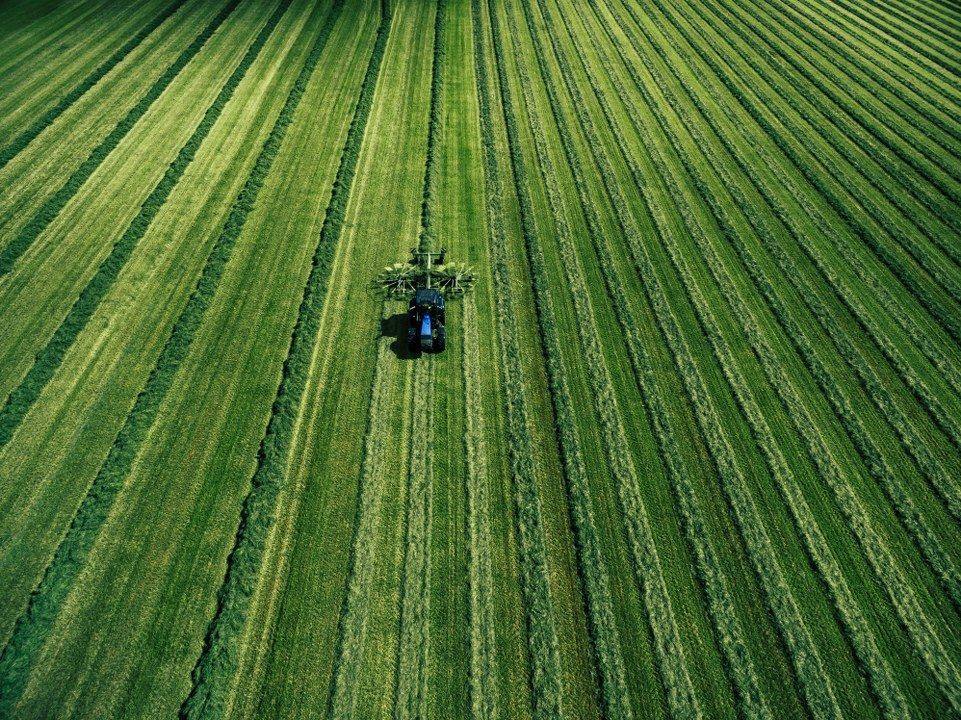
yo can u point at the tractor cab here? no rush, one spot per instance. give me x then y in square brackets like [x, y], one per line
[425, 317]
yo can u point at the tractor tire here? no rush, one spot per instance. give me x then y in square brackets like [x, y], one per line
[440, 342]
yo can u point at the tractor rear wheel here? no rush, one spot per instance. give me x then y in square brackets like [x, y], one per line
[440, 342]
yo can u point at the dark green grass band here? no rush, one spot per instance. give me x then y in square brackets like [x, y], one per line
[52, 207]
[43, 122]
[47, 599]
[50, 357]
[219, 660]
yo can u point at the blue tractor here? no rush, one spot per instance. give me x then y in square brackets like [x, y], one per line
[427, 279]
[425, 321]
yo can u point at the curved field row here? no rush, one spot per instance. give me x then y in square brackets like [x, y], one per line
[844, 269]
[646, 272]
[47, 75]
[64, 406]
[592, 564]
[815, 297]
[26, 136]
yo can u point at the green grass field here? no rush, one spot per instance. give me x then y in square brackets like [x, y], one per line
[693, 449]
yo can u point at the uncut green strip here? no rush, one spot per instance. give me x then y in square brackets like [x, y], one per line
[47, 361]
[29, 233]
[542, 635]
[216, 665]
[47, 600]
[27, 136]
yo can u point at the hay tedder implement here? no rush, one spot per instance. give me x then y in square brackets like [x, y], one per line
[427, 279]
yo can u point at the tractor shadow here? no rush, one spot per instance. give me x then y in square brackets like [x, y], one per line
[395, 327]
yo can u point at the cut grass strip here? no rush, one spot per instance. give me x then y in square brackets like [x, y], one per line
[29, 134]
[853, 331]
[709, 569]
[52, 207]
[869, 298]
[590, 556]
[542, 634]
[413, 651]
[46, 601]
[353, 620]
[483, 645]
[410, 699]
[826, 454]
[218, 661]
[676, 678]
[46, 362]
[877, 214]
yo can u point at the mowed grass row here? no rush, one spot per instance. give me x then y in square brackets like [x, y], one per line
[844, 269]
[28, 234]
[447, 630]
[23, 21]
[861, 429]
[499, 677]
[551, 487]
[860, 637]
[844, 330]
[63, 411]
[47, 74]
[662, 169]
[223, 434]
[333, 650]
[730, 631]
[873, 451]
[899, 233]
[76, 242]
[25, 136]
[53, 24]
[37, 171]
[353, 40]
[819, 692]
